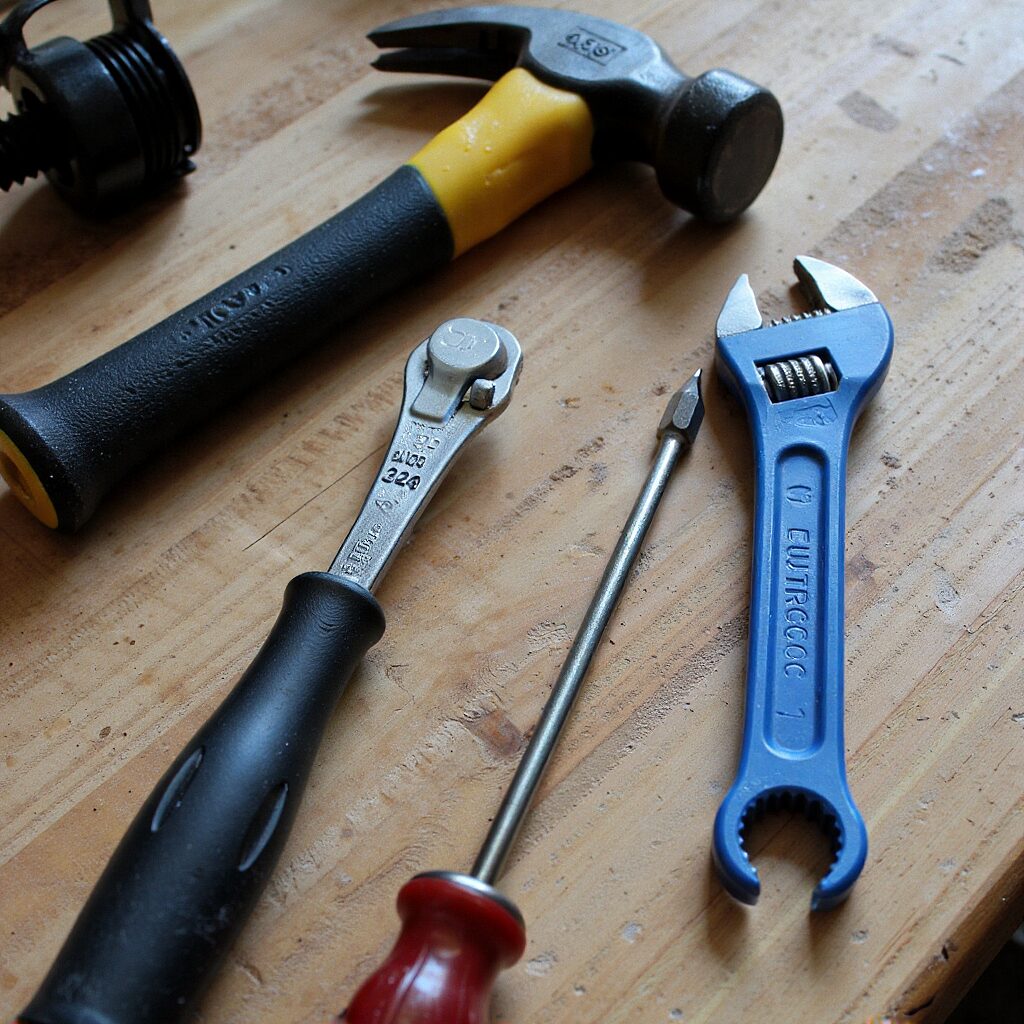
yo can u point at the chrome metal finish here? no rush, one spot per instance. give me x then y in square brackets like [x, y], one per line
[830, 287]
[458, 352]
[435, 422]
[685, 411]
[798, 378]
[676, 438]
[740, 312]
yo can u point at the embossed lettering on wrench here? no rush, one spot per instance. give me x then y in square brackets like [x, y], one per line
[803, 381]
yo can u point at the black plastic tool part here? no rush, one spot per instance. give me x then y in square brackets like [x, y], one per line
[85, 431]
[108, 120]
[184, 878]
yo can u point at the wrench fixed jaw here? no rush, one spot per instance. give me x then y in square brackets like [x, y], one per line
[836, 815]
[829, 287]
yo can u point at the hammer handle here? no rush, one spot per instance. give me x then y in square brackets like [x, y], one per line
[64, 444]
[83, 432]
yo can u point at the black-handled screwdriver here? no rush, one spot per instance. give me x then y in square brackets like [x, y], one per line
[458, 930]
[189, 870]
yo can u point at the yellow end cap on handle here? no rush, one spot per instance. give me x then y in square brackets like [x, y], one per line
[522, 142]
[24, 482]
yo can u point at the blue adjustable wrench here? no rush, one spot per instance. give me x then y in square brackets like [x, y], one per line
[803, 381]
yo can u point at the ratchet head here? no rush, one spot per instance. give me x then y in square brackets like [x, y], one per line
[713, 140]
[456, 381]
[465, 360]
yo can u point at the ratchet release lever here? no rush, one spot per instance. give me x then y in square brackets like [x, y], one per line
[189, 870]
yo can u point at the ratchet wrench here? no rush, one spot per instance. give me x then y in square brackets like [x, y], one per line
[803, 381]
[180, 885]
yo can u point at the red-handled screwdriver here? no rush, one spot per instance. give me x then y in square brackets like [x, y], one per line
[458, 931]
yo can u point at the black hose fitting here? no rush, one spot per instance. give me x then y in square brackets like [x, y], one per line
[108, 120]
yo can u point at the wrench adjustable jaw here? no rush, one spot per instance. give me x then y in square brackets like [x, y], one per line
[803, 381]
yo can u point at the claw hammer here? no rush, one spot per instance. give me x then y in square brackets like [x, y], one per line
[570, 89]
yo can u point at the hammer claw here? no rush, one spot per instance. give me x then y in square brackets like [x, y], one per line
[448, 60]
[476, 29]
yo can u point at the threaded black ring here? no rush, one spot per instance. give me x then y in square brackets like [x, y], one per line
[30, 143]
[149, 98]
[20, 155]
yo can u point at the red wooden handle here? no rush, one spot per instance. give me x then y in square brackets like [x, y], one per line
[454, 940]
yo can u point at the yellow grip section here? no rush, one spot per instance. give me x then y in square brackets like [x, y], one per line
[523, 141]
[25, 483]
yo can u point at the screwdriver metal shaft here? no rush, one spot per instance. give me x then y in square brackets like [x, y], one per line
[458, 931]
[509, 819]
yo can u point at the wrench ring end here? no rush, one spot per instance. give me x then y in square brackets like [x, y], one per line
[839, 819]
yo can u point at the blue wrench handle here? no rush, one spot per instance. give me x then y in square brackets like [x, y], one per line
[793, 747]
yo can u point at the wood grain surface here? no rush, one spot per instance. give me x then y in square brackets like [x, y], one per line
[902, 162]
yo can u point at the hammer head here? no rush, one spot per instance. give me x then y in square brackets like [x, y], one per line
[713, 140]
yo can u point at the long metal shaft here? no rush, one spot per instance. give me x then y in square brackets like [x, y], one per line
[503, 831]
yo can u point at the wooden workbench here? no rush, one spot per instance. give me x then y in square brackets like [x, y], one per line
[902, 161]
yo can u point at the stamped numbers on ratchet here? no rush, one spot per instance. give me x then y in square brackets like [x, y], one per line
[403, 463]
[401, 478]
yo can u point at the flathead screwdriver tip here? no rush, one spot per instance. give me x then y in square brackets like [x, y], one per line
[684, 412]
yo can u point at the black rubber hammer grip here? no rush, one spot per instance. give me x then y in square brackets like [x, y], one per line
[183, 880]
[64, 444]
[568, 89]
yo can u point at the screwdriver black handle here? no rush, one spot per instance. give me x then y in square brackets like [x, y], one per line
[68, 441]
[187, 873]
